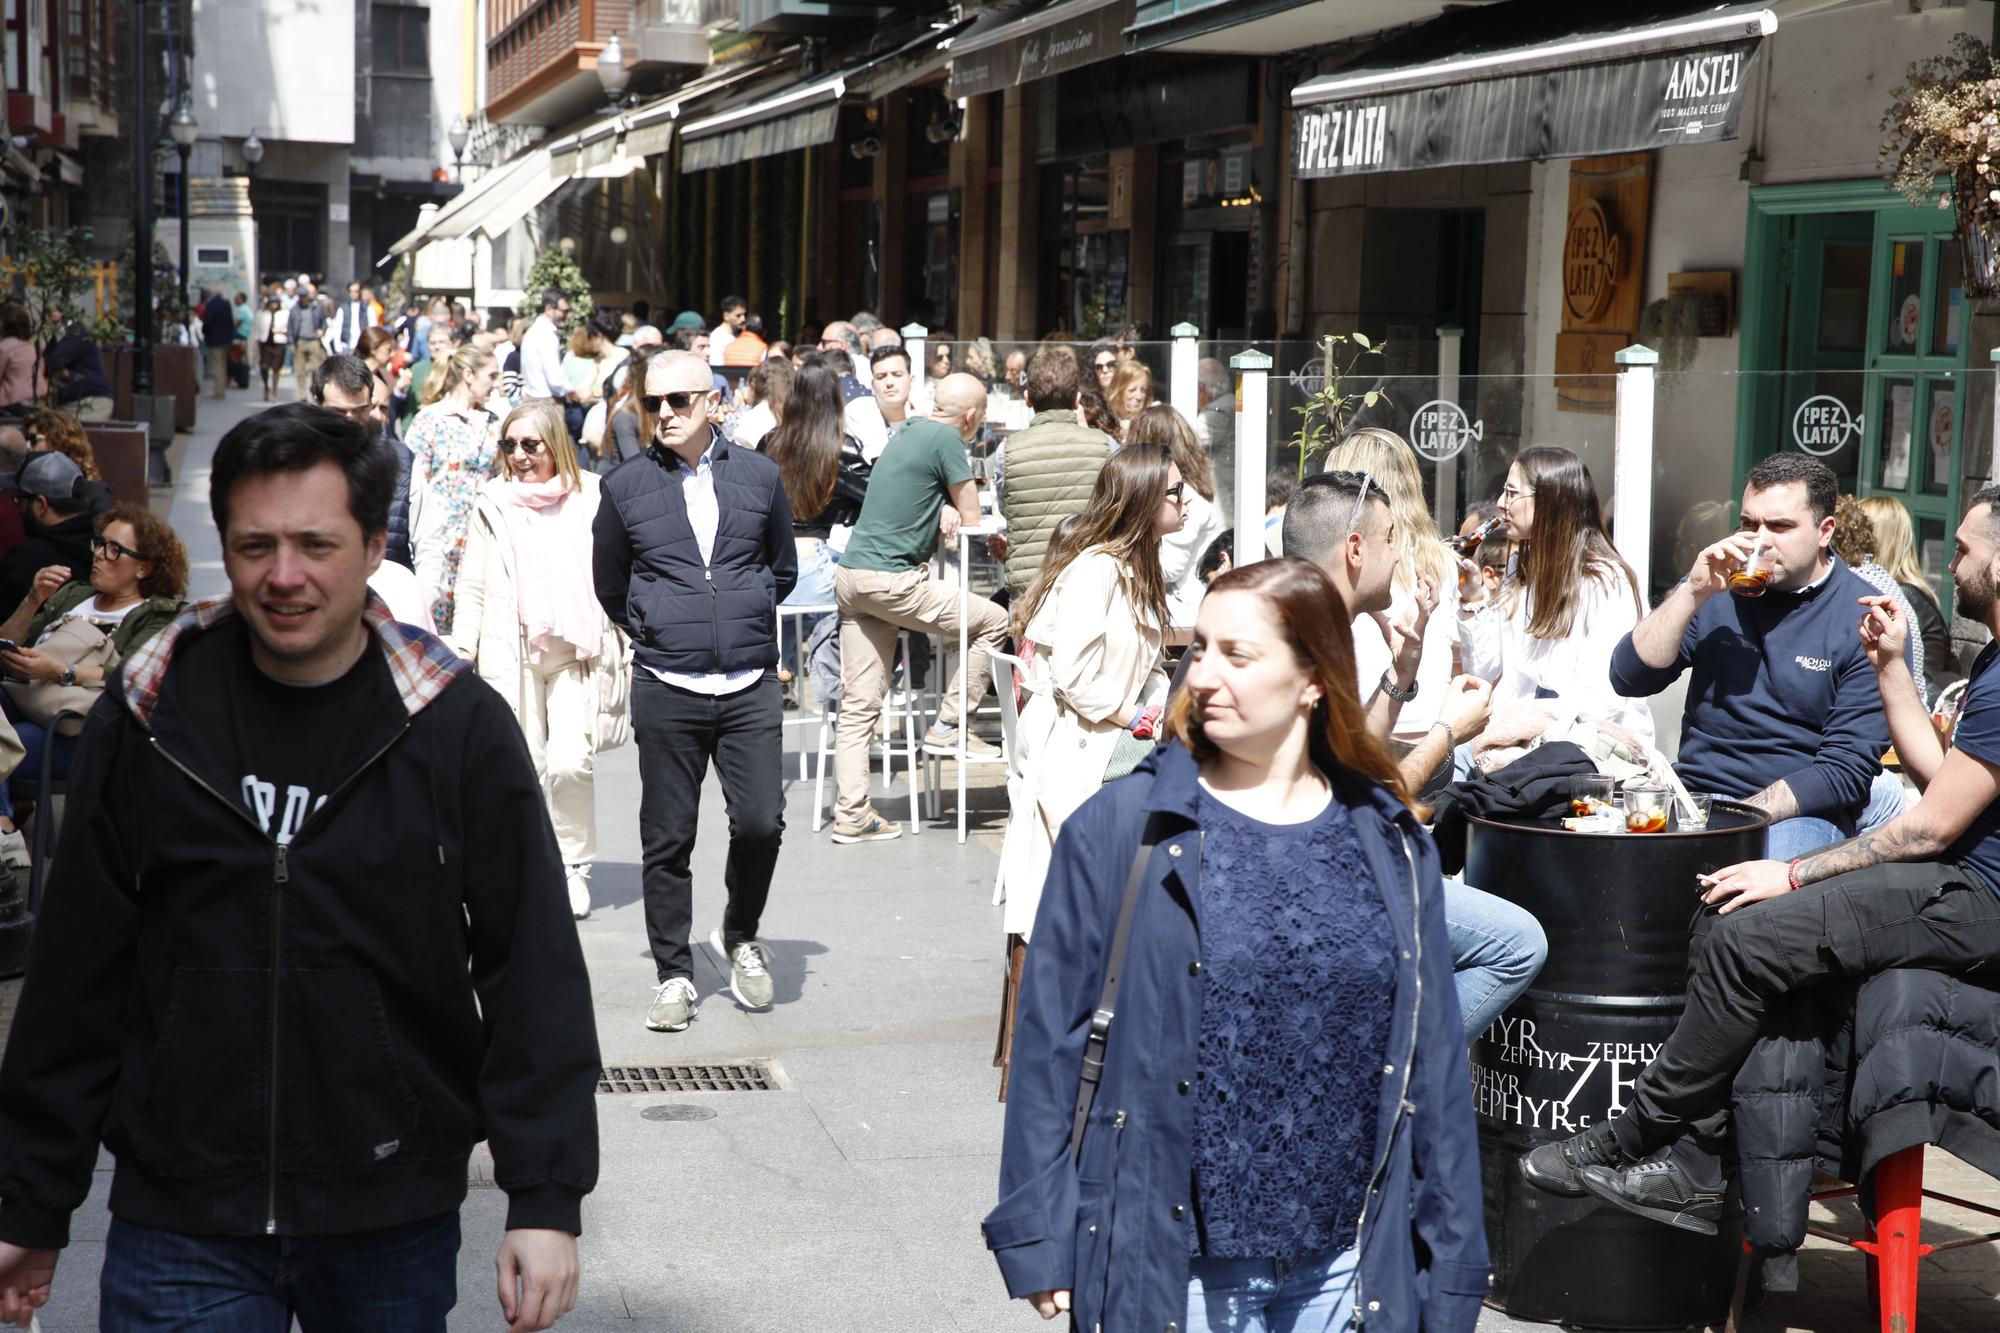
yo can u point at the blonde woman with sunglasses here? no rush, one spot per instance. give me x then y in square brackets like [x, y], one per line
[528, 618]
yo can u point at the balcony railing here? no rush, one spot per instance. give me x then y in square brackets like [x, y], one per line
[531, 38]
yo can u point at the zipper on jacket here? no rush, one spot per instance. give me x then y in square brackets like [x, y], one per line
[1403, 1093]
[281, 875]
[714, 625]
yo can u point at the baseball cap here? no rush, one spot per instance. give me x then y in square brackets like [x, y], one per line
[687, 319]
[50, 475]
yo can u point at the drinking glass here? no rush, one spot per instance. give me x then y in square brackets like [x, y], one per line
[1703, 802]
[1750, 580]
[1645, 808]
[1589, 794]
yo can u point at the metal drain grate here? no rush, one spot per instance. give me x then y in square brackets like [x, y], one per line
[748, 1076]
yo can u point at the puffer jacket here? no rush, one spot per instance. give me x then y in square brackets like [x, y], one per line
[1108, 1225]
[681, 613]
[1850, 1072]
[399, 549]
[1051, 467]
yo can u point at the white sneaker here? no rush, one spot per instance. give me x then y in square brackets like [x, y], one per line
[579, 890]
[14, 850]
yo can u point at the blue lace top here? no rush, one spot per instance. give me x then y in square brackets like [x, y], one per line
[1298, 955]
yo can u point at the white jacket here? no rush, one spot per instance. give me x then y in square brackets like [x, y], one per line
[1568, 675]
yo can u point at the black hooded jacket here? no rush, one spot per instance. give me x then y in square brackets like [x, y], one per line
[304, 1039]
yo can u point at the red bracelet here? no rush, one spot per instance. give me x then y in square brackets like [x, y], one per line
[1792, 875]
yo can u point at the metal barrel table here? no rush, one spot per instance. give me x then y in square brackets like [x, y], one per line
[1617, 908]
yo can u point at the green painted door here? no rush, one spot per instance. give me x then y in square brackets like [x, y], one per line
[1854, 347]
[1915, 404]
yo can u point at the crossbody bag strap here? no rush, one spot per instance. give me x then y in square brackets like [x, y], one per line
[1107, 1002]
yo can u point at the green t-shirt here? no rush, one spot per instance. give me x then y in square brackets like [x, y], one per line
[912, 479]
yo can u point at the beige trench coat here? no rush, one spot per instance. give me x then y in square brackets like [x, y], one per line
[487, 627]
[1095, 656]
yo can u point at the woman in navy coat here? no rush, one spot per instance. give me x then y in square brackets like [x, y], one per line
[1283, 1135]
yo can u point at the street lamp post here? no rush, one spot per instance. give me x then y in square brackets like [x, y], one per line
[612, 72]
[253, 152]
[457, 136]
[185, 129]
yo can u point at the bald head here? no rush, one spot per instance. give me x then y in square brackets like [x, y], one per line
[959, 400]
[647, 336]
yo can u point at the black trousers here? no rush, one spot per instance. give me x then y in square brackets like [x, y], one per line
[679, 732]
[1930, 915]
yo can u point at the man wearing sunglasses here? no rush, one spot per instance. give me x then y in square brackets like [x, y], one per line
[694, 551]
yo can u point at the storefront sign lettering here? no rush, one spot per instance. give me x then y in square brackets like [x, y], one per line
[1590, 262]
[1823, 424]
[1342, 139]
[1700, 92]
[1440, 430]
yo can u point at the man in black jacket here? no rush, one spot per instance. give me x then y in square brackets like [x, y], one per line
[346, 385]
[55, 512]
[218, 331]
[306, 943]
[694, 551]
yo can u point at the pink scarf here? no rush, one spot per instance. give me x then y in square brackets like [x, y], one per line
[552, 578]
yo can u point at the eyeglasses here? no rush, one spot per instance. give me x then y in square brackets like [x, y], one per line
[528, 448]
[1360, 502]
[114, 551]
[1101, 366]
[1512, 492]
[1178, 492]
[680, 400]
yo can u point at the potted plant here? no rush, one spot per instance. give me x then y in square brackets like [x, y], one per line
[1944, 121]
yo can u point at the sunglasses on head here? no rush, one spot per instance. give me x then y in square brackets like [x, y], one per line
[680, 399]
[529, 448]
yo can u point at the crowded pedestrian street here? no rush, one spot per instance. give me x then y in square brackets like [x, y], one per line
[848, 1196]
[1138, 666]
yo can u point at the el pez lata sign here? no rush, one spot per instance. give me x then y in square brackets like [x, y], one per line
[1581, 111]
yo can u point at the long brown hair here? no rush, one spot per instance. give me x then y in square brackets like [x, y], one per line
[806, 442]
[1119, 520]
[1303, 602]
[1567, 544]
[1166, 427]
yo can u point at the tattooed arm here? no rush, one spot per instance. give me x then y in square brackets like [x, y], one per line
[1961, 790]
[1776, 801]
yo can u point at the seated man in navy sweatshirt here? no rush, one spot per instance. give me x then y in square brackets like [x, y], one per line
[1783, 709]
[1921, 891]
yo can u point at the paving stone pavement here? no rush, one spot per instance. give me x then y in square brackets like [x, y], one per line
[849, 1199]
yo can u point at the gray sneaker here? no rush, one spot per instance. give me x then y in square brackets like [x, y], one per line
[871, 827]
[944, 744]
[749, 971]
[673, 1005]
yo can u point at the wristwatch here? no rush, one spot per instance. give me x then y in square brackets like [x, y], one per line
[68, 676]
[1400, 696]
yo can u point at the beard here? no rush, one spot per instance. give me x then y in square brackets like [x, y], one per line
[1975, 593]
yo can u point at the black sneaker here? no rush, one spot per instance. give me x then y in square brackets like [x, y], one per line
[1552, 1167]
[1660, 1189]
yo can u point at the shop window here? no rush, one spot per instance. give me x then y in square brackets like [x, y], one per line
[402, 40]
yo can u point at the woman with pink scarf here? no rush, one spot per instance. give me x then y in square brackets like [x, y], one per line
[529, 620]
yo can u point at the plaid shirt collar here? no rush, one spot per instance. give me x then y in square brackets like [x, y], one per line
[419, 663]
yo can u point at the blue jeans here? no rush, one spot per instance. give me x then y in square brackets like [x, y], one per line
[1496, 951]
[29, 772]
[1310, 1295]
[814, 588]
[1789, 838]
[1885, 802]
[401, 1279]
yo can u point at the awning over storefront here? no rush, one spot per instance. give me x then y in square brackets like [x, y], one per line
[798, 115]
[1529, 80]
[467, 200]
[1046, 42]
[521, 185]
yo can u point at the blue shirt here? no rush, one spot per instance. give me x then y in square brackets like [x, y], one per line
[1299, 959]
[1780, 690]
[1978, 734]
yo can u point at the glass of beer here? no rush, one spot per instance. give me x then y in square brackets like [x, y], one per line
[1589, 795]
[1750, 580]
[1645, 808]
